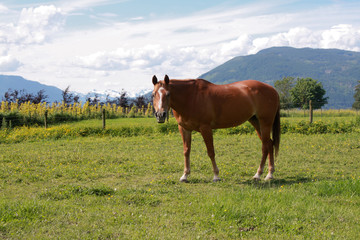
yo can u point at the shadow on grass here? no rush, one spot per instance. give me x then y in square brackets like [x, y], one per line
[278, 182]
[198, 181]
[275, 182]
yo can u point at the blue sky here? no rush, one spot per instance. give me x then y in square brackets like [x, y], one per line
[120, 44]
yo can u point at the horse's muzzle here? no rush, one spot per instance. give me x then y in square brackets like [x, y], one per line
[160, 116]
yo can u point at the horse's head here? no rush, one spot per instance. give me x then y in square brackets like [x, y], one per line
[161, 98]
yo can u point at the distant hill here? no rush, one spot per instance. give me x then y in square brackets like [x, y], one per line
[337, 70]
[19, 83]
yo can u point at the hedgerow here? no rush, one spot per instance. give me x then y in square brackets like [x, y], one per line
[19, 134]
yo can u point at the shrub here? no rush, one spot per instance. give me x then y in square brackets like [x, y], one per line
[245, 128]
[170, 126]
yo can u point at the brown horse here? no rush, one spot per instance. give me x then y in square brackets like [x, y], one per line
[199, 105]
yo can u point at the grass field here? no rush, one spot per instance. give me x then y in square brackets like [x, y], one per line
[103, 187]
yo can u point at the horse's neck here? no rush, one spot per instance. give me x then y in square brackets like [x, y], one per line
[181, 93]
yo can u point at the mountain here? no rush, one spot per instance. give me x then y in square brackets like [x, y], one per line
[337, 70]
[19, 83]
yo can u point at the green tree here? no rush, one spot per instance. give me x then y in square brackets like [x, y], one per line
[283, 87]
[307, 89]
[356, 104]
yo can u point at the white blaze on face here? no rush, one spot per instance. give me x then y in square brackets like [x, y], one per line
[160, 97]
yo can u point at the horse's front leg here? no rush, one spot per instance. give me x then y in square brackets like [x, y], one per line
[207, 134]
[186, 137]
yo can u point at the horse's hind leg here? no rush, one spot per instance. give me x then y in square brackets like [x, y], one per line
[267, 150]
[270, 151]
[264, 130]
[255, 122]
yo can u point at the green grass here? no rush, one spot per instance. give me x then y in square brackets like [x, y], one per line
[125, 127]
[113, 123]
[104, 187]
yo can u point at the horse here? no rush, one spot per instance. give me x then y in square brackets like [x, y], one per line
[201, 106]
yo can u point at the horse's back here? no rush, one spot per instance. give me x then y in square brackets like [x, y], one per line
[238, 88]
[245, 91]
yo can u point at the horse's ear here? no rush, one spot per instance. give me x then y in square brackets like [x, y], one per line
[154, 80]
[167, 80]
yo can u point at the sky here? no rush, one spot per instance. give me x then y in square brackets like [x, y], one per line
[121, 44]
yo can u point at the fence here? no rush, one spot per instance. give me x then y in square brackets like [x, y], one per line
[43, 114]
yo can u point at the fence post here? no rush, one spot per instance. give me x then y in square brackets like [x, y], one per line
[103, 118]
[46, 119]
[310, 112]
[3, 124]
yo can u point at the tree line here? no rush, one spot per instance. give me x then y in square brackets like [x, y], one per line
[297, 93]
[123, 100]
[293, 92]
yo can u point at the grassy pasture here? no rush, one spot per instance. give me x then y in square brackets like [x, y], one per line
[103, 187]
[125, 127]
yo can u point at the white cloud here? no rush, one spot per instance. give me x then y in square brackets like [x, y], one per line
[148, 57]
[184, 60]
[295, 37]
[127, 54]
[9, 64]
[123, 58]
[346, 37]
[34, 25]
[137, 18]
[343, 36]
[75, 5]
[3, 9]
[240, 46]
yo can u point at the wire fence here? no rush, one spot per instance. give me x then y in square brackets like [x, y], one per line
[45, 114]
[29, 114]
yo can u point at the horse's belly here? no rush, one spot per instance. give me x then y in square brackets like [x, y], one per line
[229, 122]
[234, 114]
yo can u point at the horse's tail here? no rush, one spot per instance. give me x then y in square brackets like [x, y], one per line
[276, 132]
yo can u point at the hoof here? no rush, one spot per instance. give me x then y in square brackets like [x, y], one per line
[217, 180]
[269, 177]
[256, 177]
[184, 179]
